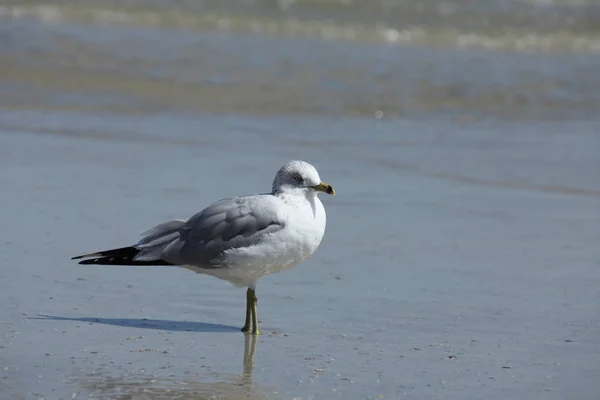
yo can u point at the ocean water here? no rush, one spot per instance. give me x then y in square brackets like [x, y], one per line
[471, 60]
[460, 259]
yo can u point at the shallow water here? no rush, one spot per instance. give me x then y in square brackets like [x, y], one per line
[460, 259]
[69, 63]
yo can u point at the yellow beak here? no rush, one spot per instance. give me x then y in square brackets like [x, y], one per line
[324, 187]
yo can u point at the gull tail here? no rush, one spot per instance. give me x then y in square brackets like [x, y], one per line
[148, 251]
[122, 256]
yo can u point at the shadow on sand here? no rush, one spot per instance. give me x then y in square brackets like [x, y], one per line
[143, 323]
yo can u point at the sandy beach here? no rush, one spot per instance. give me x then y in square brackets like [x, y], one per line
[431, 281]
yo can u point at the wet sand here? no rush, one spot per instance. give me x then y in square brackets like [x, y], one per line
[460, 260]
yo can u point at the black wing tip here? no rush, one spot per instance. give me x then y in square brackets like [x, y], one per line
[89, 261]
[123, 253]
[123, 256]
[123, 261]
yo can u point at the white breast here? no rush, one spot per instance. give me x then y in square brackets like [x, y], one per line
[297, 241]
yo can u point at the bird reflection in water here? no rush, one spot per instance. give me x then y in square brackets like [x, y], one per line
[248, 366]
[234, 387]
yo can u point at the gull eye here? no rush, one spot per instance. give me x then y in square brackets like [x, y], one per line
[297, 178]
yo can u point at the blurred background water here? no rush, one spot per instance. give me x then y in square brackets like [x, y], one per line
[507, 59]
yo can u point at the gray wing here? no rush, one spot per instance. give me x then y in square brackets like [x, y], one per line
[227, 224]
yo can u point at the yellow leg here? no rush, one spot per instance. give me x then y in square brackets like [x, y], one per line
[251, 313]
[246, 327]
[255, 330]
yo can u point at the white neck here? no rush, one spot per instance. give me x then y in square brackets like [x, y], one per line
[288, 190]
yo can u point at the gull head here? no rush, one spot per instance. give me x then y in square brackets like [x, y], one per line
[301, 178]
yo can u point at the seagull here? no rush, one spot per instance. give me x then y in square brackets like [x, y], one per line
[238, 239]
